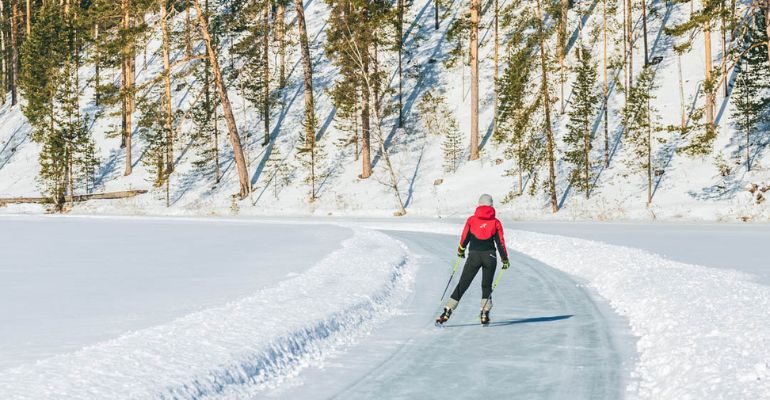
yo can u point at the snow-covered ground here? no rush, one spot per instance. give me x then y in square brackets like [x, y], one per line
[686, 188]
[71, 283]
[331, 308]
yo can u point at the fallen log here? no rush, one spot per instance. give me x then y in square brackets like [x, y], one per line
[77, 198]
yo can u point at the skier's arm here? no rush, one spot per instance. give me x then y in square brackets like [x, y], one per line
[466, 237]
[500, 241]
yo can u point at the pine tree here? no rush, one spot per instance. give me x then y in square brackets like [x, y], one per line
[359, 24]
[542, 32]
[703, 21]
[438, 119]
[641, 128]
[578, 137]
[251, 79]
[749, 95]
[49, 82]
[277, 173]
[452, 144]
[516, 104]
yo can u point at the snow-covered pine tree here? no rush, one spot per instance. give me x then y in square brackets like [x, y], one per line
[153, 131]
[749, 95]
[517, 107]
[251, 79]
[641, 117]
[578, 138]
[358, 24]
[437, 119]
[704, 20]
[543, 31]
[277, 173]
[49, 83]
[453, 142]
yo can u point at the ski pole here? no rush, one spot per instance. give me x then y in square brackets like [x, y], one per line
[494, 285]
[457, 264]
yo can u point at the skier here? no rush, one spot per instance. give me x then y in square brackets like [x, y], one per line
[482, 233]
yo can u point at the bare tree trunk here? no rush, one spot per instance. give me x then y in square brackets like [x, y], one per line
[748, 129]
[474, 63]
[3, 62]
[97, 72]
[400, 55]
[14, 53]
[710, 100]
[586, 159]
[366, 159]
[562, 49]
[128, 72]
[606, 90]
[307, 67]
[644, 31]
[266, 73]
[435, 7]
[361, 60]
[724, 50]
[497, 66]
[625, 58]
[29, 18]
[547, 112]
[519, 152]
[280, 29]
[767, 27]
[649, 155]
[232, 128]
[188, 30]
[630, 38]
[681, 91]
[167, 86]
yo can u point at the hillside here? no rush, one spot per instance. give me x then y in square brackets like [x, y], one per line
[709, 187]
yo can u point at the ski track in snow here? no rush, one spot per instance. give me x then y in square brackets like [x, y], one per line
[240, 349]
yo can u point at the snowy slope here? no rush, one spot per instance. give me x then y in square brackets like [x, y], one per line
[689, 188]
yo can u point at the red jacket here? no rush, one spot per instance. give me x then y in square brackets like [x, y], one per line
[484, 232]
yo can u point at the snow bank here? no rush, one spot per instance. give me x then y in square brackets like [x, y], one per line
[703, 333]
[241, 348]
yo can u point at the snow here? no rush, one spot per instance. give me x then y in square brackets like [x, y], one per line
[605, 321]
[95, 279]
[703, 332]
[691, 188]
[236, 349]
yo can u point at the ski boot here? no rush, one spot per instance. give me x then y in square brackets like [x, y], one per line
[484, 317]
[444, 317]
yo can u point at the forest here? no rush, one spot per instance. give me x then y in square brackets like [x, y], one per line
[560, 77]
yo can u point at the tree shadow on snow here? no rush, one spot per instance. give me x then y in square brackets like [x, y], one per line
[515, 321]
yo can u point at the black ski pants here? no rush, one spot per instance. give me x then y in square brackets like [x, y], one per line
[487, 261]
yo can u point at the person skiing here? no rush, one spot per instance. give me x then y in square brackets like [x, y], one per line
[482, 233]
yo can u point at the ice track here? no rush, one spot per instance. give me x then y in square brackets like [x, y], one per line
[548, 340]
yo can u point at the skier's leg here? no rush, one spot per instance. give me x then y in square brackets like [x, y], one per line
[489, 265]
[469, 272]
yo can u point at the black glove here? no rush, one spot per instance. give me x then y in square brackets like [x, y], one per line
[460, 252]
[506, 264]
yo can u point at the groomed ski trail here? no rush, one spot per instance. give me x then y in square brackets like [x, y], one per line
[548, 339]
